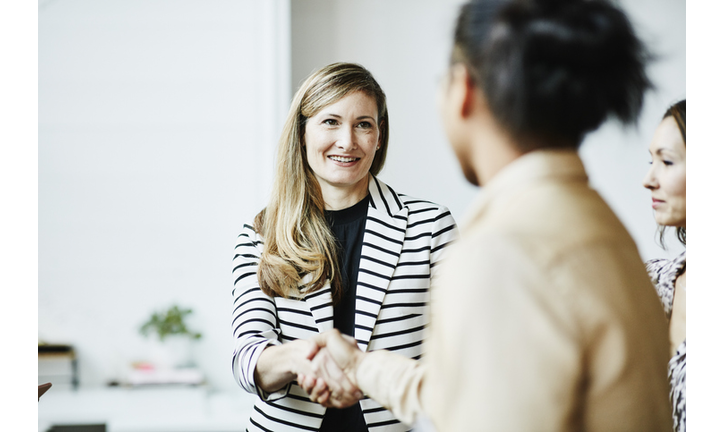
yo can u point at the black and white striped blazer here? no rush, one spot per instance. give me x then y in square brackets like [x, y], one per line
[403, 243]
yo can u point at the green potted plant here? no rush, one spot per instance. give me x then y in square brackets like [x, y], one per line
[173, 348]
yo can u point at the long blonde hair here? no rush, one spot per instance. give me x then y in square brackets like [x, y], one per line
[300, 251]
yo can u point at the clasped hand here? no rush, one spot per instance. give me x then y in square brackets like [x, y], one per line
[332, 381]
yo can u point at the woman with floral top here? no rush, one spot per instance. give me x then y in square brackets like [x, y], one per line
[667, 182]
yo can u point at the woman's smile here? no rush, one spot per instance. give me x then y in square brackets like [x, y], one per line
[343, 160]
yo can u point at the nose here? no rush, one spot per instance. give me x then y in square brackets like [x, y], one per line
[346, 140]
[650, 181]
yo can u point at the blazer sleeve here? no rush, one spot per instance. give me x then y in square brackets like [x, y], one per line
[444, 233]
[254, 317]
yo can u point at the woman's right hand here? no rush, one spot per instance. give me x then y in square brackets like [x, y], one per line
[278, 365]
[337, 391]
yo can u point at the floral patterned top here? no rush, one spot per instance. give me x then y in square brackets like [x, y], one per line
[663, 274]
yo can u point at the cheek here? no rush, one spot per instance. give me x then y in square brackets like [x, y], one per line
[313, 156]
[375, 141]
[370, 141]
[315, 144]
[677, 185]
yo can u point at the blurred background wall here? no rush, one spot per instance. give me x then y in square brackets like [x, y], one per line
[157, 121]
[157, 127]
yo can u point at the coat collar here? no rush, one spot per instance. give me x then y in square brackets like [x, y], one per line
[531, 168]
[381, 248]
[383, 198]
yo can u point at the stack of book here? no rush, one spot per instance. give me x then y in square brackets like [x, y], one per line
[57, 364]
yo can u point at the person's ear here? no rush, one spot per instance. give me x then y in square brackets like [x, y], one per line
[462, 90]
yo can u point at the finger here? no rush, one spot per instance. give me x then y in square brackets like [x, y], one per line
[321, 339]
[339, 404]
[324, 366]
[312, 350]
[310, 382]
[343, 349]
[307, 383]
[341, 397]
[324, 398]
[319, 388]
[342, 392]
[313, 391]
[349, 339]
[337, 380]
[320, 396]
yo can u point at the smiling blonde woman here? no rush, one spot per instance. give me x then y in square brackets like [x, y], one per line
[334, 248]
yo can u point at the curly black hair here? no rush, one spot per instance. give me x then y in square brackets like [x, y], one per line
[553, 70]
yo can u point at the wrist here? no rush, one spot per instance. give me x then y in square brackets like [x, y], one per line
[357, 359]
[290, 360]
[270, 374]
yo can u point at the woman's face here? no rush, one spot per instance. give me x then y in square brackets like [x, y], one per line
[341, 141]
[667, 177]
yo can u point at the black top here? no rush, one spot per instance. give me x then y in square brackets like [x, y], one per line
[348, 227]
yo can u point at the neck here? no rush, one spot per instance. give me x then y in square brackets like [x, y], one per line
[339, 198]
[492, 150]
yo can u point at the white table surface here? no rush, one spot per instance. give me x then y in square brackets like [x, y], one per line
[147, 409]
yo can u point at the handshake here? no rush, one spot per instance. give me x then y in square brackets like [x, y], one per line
[328, 372]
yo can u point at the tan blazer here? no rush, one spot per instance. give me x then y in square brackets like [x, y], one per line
[544, 318]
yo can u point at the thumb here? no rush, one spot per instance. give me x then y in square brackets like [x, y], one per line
[313, 349]
[350, 339]
[321, 339]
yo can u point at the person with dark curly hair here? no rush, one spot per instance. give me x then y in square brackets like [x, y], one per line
[543, 318]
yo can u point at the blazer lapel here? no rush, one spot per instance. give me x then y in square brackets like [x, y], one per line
[382, 244]
[320, 305]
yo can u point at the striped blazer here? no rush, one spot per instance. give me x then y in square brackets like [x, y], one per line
[403, 243]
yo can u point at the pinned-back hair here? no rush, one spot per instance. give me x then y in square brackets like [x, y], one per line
[300, 251]
[678, 112]
[552, 70]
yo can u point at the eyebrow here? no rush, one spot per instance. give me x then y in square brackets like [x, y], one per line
[358, 118]
[661, 150]
[664, 149]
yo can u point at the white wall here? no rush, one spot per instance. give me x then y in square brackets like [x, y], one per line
[406, 44]
[157, 123]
